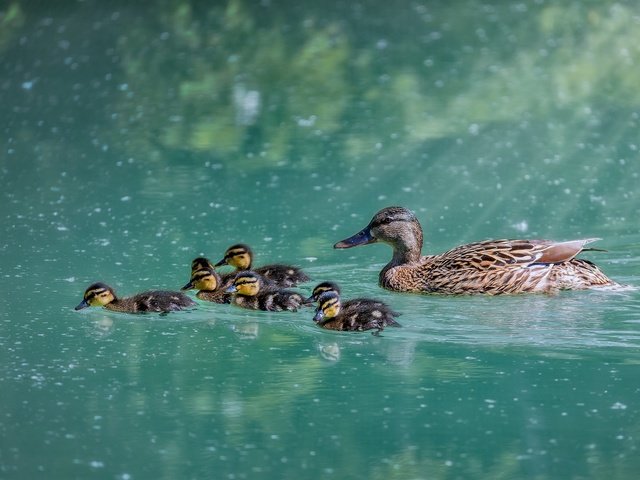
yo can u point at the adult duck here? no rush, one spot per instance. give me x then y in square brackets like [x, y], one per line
[492, 267]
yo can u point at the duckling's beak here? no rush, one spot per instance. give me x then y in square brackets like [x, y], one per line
[82, 304]
[318, 316]
[220, 263]
[188, 286]
[309, 300]
[231, 289]
[363, 237]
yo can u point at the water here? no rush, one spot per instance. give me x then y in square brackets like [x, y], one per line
[135, 141]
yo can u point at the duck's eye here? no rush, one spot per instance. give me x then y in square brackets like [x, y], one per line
[235, 253]
[329, 304]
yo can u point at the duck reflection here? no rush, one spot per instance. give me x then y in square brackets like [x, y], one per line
[400, 353]
[102, 327]
[329, 351]
[247, 331]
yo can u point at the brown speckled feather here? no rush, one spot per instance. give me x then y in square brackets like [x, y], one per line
[353, 315]
[490, 267]
[216, 296]
[152, 301]
[270, 300]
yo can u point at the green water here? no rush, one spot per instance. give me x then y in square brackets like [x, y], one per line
[134, 139]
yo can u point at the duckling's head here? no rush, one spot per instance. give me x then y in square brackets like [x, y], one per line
[246, 283]
[203, 279]
[396, 226]
[97, 295]
[199, 264]
[239, 256]
[320, 289]
[328, 306]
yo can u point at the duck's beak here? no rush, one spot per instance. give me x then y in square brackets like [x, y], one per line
[231, 289]
[363, 237]
[220, 263]
[188, 286]
[308, 301]
[82, 304]
[318, 316]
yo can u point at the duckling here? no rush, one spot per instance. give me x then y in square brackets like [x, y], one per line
[209, 284]
[333, 315]
[102, 295]
[240, 256]
[491, 267]
[249, 292]
[346, 305]
[203, 263]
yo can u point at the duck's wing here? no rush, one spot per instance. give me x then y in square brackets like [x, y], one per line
[508, 254]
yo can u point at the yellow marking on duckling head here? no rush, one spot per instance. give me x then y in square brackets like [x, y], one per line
[319, 290]
[205, 279]
[324, 287]
[238, 256]
[99, 295]
[247, 284]
[329, 304]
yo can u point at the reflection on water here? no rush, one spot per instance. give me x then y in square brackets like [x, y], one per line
[329, 351]
[247, 331]
[463, 377]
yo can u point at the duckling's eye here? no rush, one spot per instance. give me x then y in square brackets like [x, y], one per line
[103, 294]
[235, 253]
[329, 304]
[95, 293]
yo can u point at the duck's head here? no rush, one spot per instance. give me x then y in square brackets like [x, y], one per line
[396, 226]
[328, 306]
[320, 289]
[97, 295]
[239, 256]
[200, 263]
[203, 279]
[246, 283]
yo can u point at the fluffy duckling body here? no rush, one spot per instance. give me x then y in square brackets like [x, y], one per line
[249, 292]
[209, 285]
[332, 314]
[491, 267]
[346, 305]
[102, 295]
[240, 256]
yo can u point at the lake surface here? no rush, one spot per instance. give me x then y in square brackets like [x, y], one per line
[135, 140]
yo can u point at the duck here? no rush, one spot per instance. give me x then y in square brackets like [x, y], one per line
[240, 256]
[332, 314]
[209, 285]
[490, 267]
[354, 303]
[248, 291]
[102, 295]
